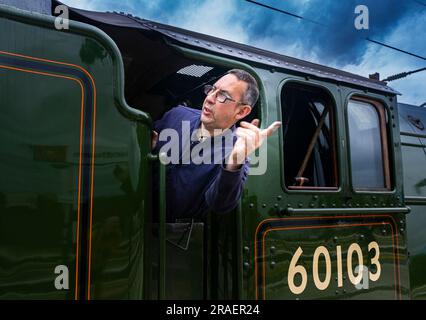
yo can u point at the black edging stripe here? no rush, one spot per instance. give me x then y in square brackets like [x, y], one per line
[35, 65]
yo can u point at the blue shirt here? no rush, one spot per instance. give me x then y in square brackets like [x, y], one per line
[195, 189]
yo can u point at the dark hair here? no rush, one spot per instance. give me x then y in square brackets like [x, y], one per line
[252, 93]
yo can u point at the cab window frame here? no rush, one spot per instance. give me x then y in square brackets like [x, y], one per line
[382, 110]
[334, 129]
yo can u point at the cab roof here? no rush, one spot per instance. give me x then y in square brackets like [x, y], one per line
[226, 48]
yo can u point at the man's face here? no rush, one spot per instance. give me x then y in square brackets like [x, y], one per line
[217, 115]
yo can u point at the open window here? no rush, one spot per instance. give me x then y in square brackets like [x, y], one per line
[368, 141]
[309, 138]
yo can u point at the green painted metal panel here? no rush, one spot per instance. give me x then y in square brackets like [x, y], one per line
[75, 172]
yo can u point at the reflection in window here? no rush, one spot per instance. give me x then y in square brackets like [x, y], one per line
[365, 146]
[309, 137]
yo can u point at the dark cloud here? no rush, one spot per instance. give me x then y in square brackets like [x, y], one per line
[336, 41]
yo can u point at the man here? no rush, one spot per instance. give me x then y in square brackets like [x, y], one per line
[194, 189]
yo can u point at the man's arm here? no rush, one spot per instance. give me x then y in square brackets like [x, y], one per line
[225, 191]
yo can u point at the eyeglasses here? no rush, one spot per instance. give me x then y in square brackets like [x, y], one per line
[221, 96]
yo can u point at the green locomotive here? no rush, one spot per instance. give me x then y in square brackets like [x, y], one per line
[338, 213]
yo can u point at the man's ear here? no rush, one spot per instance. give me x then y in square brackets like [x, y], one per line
[244, 111]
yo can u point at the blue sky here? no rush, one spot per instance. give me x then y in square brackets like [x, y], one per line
[331, 39]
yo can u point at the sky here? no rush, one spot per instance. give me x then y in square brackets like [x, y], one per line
[324, 31]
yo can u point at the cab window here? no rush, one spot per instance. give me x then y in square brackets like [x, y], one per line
[309, 137]
[368, 145]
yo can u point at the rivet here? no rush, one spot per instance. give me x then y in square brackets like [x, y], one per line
[315, 197]
[312, 205]
[401, 230]
[300, 205]
[383, 231]
[251, 205]
[273, 249]
[276, 205]
[246, 249]
[279, 197]
[323, 205]
[335, 239]
[246, 265]
[273, 264]
[263, 205]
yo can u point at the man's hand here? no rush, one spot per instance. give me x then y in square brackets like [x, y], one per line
[250, 138]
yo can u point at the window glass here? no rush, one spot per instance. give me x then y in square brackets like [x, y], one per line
[309, 137]
[366, 150]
